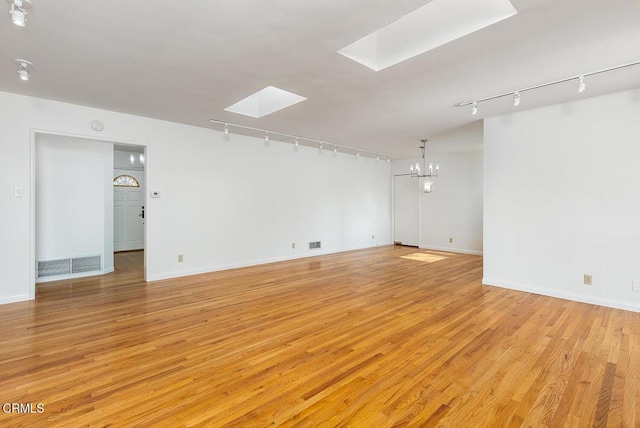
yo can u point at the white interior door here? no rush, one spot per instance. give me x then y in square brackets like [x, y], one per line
[128, 221]
[406, 210]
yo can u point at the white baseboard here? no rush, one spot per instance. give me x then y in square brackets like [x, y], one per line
[14, 299]
[451, 250]
[594, 300]
[301, 255]
[75, 275]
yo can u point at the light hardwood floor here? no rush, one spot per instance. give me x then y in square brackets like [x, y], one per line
[362, 339]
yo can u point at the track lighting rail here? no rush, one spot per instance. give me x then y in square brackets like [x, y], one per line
[298, 138]
[516, 94]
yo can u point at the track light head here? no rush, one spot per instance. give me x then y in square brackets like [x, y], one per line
[266, 137]
[296, 143]
[23, 68]
[226, 129]
[18, 11]
[581, 85]
[18, 17]
[335, 148]
[516, 98]
[474, 108]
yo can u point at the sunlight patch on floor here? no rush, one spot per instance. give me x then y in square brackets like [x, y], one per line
[424, 257]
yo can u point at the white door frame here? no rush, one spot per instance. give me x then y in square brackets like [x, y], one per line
[32, 197]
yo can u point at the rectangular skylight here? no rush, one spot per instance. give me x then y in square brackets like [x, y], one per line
[265, 101]
[432, 25]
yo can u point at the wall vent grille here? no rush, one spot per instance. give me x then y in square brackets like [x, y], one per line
[54, 268]
[85, 264]
[60, 267]
[314, 245]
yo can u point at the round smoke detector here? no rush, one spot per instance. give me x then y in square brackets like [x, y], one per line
[96, 125]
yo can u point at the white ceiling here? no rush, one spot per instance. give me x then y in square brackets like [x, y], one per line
[185, 61]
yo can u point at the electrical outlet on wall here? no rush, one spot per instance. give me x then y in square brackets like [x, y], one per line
[450, 240]
[293, 245]
[180, 258]
[587, 279]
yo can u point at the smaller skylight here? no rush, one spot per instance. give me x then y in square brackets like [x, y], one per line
[432, 25]
[264, 102]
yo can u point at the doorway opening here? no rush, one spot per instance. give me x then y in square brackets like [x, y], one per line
[406, 211]
[73, 207]
[129, 188]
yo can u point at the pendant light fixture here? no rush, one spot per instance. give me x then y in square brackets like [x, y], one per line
[426, 172]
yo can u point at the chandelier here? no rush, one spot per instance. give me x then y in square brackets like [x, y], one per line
[427, 171]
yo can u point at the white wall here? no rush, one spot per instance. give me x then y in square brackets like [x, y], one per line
[250, 202]
[562, 200]
[224, 202]
[72, 201]
[453, 210]
[454, 207]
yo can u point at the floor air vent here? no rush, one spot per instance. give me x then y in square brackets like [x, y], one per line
[68, 266]
[314, 245]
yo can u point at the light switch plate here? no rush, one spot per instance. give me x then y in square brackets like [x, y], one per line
[19, 192]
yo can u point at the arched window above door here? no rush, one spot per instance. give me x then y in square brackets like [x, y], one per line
[125, 181]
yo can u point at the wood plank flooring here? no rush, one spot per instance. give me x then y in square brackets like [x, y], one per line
[362, 339]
